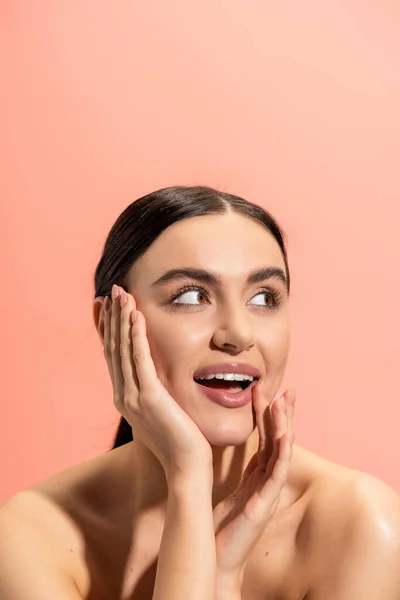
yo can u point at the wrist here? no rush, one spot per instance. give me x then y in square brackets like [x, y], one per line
[228, 586]
[197, 482]
[228, 595]
[188, 467]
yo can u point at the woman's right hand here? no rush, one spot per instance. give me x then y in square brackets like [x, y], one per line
[156, 419]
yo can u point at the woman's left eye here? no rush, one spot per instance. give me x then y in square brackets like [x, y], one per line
[273, 296]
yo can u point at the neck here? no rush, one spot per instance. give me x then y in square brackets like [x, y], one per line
[150, 485]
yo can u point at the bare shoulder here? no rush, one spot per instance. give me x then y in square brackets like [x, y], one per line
[33, 562]
[353, 523]
[46, 527]
[345, 496]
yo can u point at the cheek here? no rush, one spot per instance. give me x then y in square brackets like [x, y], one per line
[174, 344]
[274, 342]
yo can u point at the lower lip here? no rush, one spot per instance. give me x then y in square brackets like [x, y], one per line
[228, 399]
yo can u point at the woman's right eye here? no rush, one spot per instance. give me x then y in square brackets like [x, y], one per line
[191, 297]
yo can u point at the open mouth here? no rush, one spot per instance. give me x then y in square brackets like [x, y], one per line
[223, 384]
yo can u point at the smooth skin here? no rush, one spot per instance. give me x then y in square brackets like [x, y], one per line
[177, 514]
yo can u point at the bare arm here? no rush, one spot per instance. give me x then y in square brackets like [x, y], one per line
[187, 561]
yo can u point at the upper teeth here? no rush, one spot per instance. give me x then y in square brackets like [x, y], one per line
[229, 377]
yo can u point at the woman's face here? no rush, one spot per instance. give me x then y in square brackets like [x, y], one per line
[229, 320]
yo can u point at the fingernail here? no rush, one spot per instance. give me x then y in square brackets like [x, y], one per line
[124, 299]
[114, 292]
[106, 304]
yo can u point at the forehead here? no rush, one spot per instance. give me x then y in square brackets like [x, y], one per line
[226, 244]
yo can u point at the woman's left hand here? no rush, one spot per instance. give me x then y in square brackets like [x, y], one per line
[241, 518]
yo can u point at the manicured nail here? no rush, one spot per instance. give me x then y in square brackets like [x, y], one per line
[114, 292]
[124, 299]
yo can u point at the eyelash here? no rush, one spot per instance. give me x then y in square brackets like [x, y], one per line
[275, 294]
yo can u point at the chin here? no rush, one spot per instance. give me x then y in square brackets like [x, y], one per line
[220, 426]
[228, 434]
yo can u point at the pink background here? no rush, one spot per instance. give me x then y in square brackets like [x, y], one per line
[294, 105]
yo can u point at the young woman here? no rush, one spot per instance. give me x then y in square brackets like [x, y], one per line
[203, 495]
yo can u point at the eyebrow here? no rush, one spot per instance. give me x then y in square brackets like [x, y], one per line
[206, 277]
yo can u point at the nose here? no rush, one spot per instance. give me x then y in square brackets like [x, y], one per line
[234, 332]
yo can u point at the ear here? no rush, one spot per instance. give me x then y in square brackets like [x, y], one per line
[98, 316]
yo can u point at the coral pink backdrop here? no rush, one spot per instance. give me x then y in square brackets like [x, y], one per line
[294, 105]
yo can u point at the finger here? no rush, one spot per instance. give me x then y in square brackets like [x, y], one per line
[270, 432]
[106, 336]
[279, 422]
[115, 343]
[272, 489]
[281, 438]
[290, 399]
[261, 408]
[252, 465]
[127, 363]
[143, 361]
[281, 466]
